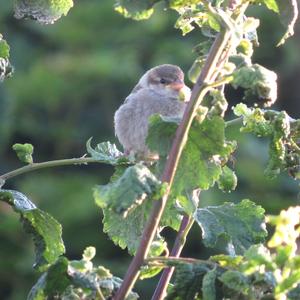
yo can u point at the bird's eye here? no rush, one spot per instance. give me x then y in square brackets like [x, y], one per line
[163, 81]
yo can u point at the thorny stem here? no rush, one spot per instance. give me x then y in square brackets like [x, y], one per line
[198, 92]
[49, 164]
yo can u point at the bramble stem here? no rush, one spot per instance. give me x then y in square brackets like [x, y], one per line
[49, 164]
[198, 92]
[186, 224]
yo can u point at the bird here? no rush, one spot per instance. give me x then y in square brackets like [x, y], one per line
[161, 90]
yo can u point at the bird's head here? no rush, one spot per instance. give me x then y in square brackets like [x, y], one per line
[167, 80]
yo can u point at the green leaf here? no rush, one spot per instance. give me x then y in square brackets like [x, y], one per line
[208, 285]
[135, 9]
[203, 154]
[288, 12]
[126, 232]
[107, 153]
[259, 82]
[4, 48]
[46, 231]
[43, 11]
[242, 225]
[227, 260]
[256, 257]
[64, 281]
[236, 281]
[270, 4]
[24, 152]
[283, 133]
[188, 282]
[128, 191]
[54, 281]
[228, 180]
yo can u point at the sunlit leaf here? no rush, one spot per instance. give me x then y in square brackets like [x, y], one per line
[259, 82]
[228, 180]
[202, 157]
[241, 225]
[24, 152]
[236, 281]
[43, 11]
[128, 191]
[135, 9]
[107, 153]
[288, 12]
[45, 230]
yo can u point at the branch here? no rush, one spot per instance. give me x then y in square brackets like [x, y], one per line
[186, 224]
[49, 164]
[198, 92]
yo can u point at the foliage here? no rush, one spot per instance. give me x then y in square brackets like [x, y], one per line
[45, 230]
[251, 270]
[77, 279]
[241, 225]
[24, 152]
[44, 11]
[259, 274]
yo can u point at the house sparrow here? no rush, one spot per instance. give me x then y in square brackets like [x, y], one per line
[158, 91]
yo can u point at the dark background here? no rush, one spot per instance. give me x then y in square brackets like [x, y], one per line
[69, 79]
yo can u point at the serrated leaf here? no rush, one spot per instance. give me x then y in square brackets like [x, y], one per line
[259, 82]
[204, 152]
[4, 48]
[45, 230]
[107, 153]
[188, 282]
[208, 285]
[43, 11]
[126, 232]
[241, 225]
[278, 126]
[228, 180]
[128, 191]
[288, 13]
[24, 152]
[255, 257]
[135, 9]
[236, 281]
[63, 281]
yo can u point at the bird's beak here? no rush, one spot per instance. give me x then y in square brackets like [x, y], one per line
[177, 85]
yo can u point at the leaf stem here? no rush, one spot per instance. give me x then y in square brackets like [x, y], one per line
[186, 224]
[171, 259]
[49, 164]
[198, 92]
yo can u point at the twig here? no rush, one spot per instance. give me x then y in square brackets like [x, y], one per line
[150, 230]
[49, 164]
[186, 224]
[186, 260]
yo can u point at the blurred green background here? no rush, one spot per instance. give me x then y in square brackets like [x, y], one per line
[69, 79]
